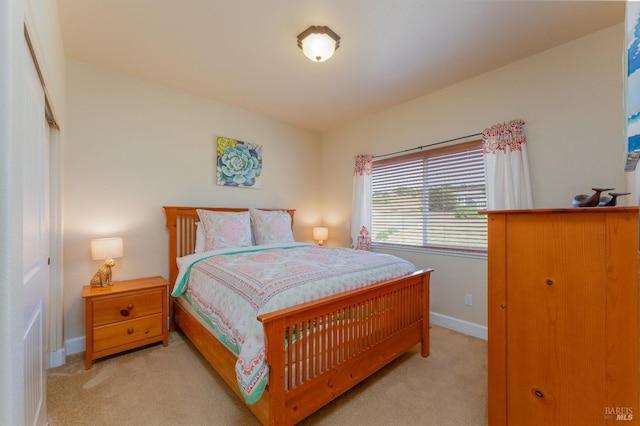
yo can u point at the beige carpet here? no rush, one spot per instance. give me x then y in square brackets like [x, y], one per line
[175, 386]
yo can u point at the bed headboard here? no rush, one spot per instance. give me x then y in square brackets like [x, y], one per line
[181, 223]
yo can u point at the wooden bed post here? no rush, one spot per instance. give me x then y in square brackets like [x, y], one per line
[171, 213]
[426, 319]
[277, 366]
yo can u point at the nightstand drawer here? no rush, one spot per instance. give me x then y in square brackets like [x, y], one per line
[110, 336]
[126, 307]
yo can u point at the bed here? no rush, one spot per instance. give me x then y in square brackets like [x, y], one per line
[316, 350]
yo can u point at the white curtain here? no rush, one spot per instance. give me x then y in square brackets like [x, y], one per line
[361, 209]
[506, 167]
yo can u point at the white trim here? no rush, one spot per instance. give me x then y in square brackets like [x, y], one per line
[466, 327]
[56, 300]
[56, 358]
[76, 345]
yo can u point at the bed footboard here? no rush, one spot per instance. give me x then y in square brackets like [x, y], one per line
[319, 350]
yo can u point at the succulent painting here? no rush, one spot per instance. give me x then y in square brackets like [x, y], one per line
[238, 163]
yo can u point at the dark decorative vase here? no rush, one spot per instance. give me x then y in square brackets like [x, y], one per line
[611, 201]
[583, 200]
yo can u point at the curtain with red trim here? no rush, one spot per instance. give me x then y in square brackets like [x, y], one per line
[506, 164]
[361, 208]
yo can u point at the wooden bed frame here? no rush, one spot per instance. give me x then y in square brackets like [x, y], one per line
[348, 337]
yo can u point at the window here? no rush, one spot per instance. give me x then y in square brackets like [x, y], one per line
[431, 199]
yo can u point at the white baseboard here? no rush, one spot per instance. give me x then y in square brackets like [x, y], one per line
[72, 346]
[75, 345]
[57, 358]
[466, 327]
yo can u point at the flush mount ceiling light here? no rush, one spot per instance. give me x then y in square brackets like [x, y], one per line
[318, 43]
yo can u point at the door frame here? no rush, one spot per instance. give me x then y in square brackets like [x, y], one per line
[57, 350]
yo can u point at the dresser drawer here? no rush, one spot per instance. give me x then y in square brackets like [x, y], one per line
[126, 307]
[122, 333]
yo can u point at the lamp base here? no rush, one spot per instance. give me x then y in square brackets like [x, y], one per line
[102, 278]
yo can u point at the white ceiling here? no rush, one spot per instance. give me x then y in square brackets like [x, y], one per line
[244, 52]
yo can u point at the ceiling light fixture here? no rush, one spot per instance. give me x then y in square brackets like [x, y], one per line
[318, 43]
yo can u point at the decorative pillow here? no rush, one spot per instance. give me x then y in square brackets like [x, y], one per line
[199, 238]
[225, 229]
[271, 227]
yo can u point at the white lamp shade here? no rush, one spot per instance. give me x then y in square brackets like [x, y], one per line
[320, 234]
[318, 47]
[106, 248]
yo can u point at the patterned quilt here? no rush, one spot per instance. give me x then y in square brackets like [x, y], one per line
[230, 288]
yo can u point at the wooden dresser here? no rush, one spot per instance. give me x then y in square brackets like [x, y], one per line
[563, 317]
[124, 316]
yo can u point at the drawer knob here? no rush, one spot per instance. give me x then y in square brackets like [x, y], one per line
[126, 312]
[130, 330]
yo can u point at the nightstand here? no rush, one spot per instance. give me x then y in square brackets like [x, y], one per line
[124, 316]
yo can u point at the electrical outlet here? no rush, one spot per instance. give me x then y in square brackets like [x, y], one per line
[468, 299]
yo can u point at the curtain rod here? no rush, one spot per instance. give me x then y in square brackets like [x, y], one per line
[425, 146]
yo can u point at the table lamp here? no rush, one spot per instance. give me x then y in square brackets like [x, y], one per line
[320, 234]
[105, 249]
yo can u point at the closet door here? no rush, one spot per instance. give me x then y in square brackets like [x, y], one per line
[35, 242]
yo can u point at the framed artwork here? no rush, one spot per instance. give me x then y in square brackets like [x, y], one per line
[632, 97]
[238, 163]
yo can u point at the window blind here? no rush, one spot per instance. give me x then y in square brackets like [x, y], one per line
[431, 199]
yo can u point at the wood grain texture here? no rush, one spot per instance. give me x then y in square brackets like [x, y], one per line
[564, 350]
[127, 315]
[497, 320]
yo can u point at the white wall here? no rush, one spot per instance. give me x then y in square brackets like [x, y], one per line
[571, 99]
[133, 147]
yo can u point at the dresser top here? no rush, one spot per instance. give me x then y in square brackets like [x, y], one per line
[124, 286]
[630, 209]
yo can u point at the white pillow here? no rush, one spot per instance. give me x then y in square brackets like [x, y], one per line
[271, 227]
[225, 229]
